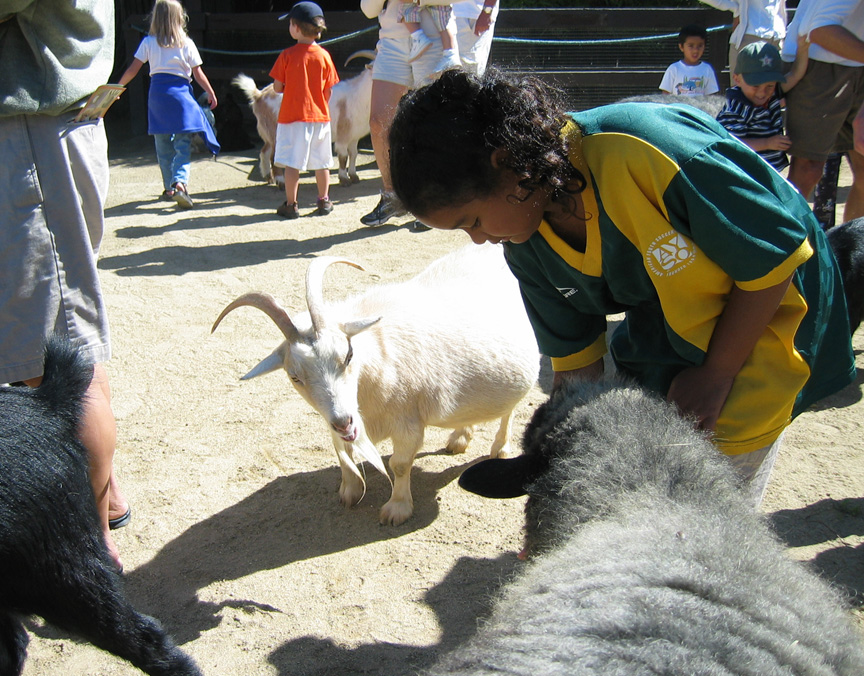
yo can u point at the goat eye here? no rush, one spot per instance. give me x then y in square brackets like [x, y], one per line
[295, 379]
[349, 355]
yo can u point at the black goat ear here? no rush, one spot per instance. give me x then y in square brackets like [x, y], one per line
[499, 477]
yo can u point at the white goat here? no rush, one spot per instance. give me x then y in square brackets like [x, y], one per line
[450, 348]
[349, 104]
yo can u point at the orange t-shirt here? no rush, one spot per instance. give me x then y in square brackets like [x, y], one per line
[308, 73]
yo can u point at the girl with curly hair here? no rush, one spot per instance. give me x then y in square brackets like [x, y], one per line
[734, 306]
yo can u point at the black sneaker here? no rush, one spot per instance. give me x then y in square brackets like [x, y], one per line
[325, 206]
[386, 209]
[286, 210]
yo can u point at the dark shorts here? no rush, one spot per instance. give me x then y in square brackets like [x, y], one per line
[820, 110]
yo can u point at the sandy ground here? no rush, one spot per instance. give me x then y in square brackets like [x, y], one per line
[238, 543]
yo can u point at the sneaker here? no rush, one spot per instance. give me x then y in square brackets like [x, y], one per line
[181, 196]
[325, 206]
[289, 211]
[419, 45]
[387, 208]
[417, 226]
[450, 59]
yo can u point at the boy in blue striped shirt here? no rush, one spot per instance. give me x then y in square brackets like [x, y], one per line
[754, 106]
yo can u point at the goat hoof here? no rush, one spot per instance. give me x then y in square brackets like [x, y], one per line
[355, 178]
[350, 496]
[344, 182]
[394, 513]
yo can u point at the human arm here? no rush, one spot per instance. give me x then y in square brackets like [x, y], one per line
[799, 66]
[701, 391]
[484, 20]
[759, 145]
[278, 86]
[130, 73]
[201, 79]
[835, 38]
[371, 8]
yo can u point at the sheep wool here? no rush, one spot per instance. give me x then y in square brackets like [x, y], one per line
[650, 561]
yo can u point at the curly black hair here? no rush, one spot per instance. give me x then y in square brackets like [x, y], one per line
[443, 136]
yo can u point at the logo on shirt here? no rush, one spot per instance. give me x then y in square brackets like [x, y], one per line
[566, 291]
[669, 254]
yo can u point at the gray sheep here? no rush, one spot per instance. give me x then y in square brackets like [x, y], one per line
[651, 561]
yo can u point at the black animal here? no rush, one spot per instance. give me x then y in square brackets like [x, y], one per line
[53, 559]
[847, 241]
[650, 559]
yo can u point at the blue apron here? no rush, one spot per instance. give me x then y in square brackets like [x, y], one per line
[172, 109]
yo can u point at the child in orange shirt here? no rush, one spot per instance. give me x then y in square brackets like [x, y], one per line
[306, 72]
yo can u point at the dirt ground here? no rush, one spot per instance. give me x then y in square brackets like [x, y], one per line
[238, 543]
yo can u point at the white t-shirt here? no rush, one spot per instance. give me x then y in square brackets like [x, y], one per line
[765, 19]
[169, 60]
[812, 14]
[685, 80]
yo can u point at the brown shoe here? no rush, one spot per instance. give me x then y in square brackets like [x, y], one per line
[325, 206]
[290, 211]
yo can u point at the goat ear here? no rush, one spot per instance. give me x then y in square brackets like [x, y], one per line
[354, 327]
[499, 477]
[271, 363]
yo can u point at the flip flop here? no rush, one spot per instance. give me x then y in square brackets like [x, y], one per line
[120, 521]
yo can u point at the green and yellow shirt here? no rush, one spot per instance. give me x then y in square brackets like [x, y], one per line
[677, 212]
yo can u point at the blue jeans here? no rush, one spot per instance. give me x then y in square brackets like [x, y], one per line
[173, 152]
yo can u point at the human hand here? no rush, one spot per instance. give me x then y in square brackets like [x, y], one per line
[482, 24]
[700, 393]
[212, 100]
[778, 142]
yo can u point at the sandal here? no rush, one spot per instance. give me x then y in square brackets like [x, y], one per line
[167, 195]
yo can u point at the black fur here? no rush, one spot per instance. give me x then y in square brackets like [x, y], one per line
[847, 242]
[53, 558]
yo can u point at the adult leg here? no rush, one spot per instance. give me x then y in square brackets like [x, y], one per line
[385, 98]
[855, 200]
[804, 174]
[99, 435]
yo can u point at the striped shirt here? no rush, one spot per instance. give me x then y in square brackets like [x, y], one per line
[744, 120]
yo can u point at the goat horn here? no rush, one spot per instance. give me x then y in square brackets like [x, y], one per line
[368, 53]
[315, 287]
[268, 305]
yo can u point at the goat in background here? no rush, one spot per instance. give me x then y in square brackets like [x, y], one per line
[350, 101]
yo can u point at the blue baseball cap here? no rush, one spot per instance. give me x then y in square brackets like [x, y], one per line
[304, 11]
[759, 63]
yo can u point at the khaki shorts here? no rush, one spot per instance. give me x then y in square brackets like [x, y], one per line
[53, 185]
[820, 110]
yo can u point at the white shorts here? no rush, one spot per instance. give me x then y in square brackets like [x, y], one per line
[473, 50]
[305, 146]
[391, 62]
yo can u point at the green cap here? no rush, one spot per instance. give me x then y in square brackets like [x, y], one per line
[759, 63]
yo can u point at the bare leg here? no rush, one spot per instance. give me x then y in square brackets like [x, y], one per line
[292, 181]
[99, 436]
[855, 201]
[385, 98]
[805, 174]
[322, 180]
